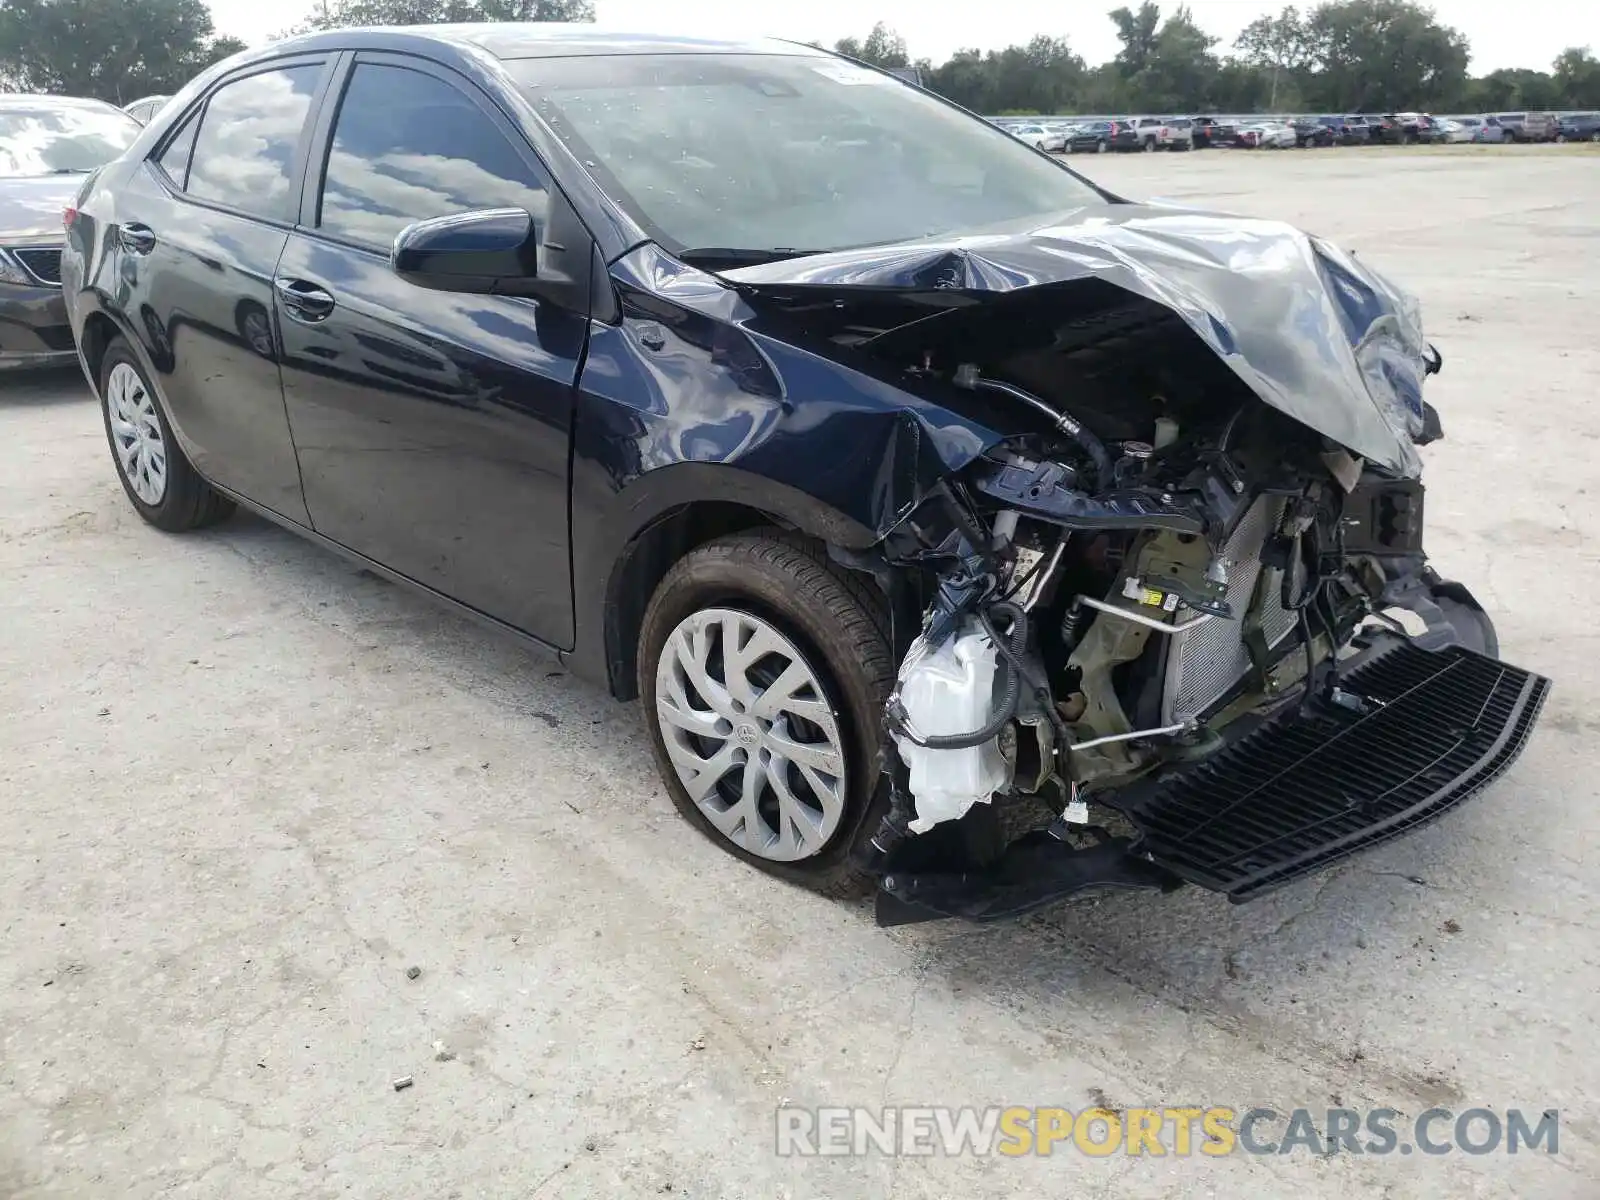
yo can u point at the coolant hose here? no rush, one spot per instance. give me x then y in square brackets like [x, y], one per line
[1064, 422]
[1016, 643]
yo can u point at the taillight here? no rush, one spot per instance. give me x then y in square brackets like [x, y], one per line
[69, 218]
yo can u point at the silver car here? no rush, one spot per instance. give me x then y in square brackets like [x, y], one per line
[47, 145]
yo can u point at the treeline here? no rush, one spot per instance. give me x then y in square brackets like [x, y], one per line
[131, 48]
[1341, 56]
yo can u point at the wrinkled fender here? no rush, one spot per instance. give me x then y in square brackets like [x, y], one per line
[682, 403]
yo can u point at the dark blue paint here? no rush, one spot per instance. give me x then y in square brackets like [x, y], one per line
[507, 452]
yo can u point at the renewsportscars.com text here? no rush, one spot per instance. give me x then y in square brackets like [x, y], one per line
[1181, 1130]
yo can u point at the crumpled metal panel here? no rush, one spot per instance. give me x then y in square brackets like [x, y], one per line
[1313, 332]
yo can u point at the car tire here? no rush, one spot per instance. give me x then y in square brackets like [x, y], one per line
[819, 624]
[1100, 147]
[159, 479]
[1149, 145]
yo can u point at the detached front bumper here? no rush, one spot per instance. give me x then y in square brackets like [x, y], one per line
[33, 328]
[1410, 728]
[1413, 733]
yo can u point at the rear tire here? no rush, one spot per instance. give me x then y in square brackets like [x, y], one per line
[816, 623]
[160, 481]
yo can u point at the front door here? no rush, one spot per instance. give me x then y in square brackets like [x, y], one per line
[432, 427]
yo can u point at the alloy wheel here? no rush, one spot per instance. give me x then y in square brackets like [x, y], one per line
[751, 734]
[136, 434]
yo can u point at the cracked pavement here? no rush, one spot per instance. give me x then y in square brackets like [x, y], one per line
[244, 786]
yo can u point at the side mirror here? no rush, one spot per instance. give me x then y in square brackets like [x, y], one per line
[491, 250]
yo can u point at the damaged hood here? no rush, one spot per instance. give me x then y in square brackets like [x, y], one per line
[1312, 332]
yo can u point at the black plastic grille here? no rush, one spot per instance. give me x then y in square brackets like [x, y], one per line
[44, 264]
[1305, 790]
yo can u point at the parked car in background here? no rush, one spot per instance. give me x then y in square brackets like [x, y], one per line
[1038, 137]
[1267, 135]
[1311, 131]
[1148, 131]
[1335, 125]
[1384, 130]
[1527, 126]
[1224, 131]
[47, 145]
[1354, 130]
[1177, 133]
[1093, 137]
[1204, 132]
[143, 109]
[1446, 130]
[1413, 127]
[1480, 129]
[1127, 135]
[540, 342]
[1578, 127]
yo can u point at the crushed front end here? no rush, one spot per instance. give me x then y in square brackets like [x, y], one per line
[1170, 634]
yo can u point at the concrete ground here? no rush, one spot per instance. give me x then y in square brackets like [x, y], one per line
[244, 787]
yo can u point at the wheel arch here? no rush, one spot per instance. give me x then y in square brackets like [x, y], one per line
[653, 524]
[95, 339]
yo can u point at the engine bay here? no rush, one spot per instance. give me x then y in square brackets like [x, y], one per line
[1107, 594]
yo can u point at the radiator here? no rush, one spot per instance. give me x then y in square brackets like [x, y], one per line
[1207, 660]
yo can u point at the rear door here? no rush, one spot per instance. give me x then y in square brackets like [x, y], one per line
[432, 427]
[200, 228]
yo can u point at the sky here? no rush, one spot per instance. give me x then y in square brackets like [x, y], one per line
[1503, 33]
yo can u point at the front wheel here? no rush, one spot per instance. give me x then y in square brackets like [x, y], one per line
[763, 671]
[158, 478]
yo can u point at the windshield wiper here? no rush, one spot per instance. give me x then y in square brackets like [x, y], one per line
[730, 256]
[71, 170]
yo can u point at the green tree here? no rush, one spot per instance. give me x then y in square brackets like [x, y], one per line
[1577, 78]
[1382, 55]
[338, 14]
[1137, 33]
[1277, 50]
[883, 47]
[1044, 76]
[115, 52]
[1166, 64]
[1514, 87]
[1183, 70]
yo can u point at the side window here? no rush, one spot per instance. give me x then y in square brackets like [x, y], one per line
[407, 146]
[244, 152]
[175, 159]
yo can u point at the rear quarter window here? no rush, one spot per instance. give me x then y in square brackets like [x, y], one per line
[244, 151]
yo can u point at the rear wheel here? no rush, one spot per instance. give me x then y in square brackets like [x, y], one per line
[763, 671]
[156, 475]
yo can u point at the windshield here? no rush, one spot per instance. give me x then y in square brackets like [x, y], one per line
[48, 139]
[782, 153]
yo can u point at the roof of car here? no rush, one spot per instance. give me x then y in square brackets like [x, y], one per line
[27, 100]
[549, 39]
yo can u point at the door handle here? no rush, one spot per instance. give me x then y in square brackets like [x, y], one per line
[136, 238]
[304, 301]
